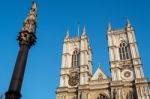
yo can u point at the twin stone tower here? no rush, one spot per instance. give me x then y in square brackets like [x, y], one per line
[128, 80]
[76, 78]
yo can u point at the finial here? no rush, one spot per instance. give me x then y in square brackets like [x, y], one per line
[99, 66]
[34, 5]
[109, 26]
[84, 31]
[67, 34]
[128, 23]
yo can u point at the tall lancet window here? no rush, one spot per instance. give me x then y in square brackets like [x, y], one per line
[75, 59]
[124, 51]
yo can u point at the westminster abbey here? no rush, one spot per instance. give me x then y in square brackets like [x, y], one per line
[77, 81]
[127, 81]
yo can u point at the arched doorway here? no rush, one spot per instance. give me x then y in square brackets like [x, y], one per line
[101, 96]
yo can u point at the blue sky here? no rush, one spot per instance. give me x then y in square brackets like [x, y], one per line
[54, 17]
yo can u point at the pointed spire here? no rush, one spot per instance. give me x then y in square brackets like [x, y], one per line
[128, 23]
[34, 6]
[99, 66]
[67, 34]
[30, 22]
[109, 26]
[84, 31]
[27, 34]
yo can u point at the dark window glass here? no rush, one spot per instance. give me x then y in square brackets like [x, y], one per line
[124, 51]
[75, 59]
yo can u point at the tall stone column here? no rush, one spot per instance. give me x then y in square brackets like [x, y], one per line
[26, 39]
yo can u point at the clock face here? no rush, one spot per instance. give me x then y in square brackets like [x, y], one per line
[127, 74]
[73, 79]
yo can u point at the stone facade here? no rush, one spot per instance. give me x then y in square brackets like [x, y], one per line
[127, 82]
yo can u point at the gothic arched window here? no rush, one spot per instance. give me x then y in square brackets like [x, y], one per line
[75, 59]
[100, 96]
[124, 51]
